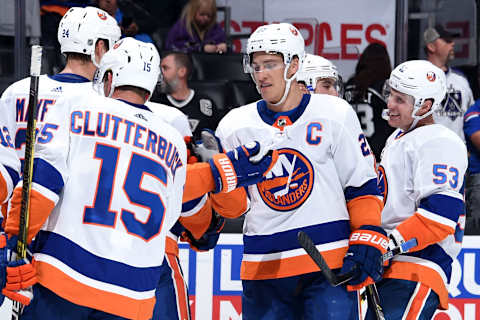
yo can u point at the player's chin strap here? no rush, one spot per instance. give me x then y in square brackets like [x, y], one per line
[288, 82]
[416, 119]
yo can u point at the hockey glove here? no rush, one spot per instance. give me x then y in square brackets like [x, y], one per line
[208, 146]
[243, 166]
[16, 277]
[366, 246]
[210, 238]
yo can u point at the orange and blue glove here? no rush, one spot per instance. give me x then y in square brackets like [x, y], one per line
[16, 276]
[367, 244]
[243, 166]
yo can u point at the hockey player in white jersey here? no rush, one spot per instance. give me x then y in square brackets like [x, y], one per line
[319, 75]
[106, 188]
[422, 175]
[172, 300]
[84, 34]
[324, 183]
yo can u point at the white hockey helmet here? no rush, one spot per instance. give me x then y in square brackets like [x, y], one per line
[282, 38]
[315, 67]
[80, 28]
[421, 80]
[132, 63]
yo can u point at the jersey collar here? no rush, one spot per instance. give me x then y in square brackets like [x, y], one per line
[270, 117]
[69, 77]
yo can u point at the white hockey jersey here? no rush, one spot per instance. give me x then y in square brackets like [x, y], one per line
[324, 162]
[172, 116]
[9, 162]
[50, 88]
[113, 173]
[421, 175]
[458, 99]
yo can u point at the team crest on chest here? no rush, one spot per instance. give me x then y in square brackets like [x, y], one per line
[289, 183]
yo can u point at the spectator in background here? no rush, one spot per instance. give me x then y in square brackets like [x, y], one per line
[127, 24]
[197, 29]
[364, 92]
[471, 128]
[439, 50]
[201, 110]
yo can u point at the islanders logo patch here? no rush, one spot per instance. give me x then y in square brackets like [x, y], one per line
[289, 183]
[382, 183]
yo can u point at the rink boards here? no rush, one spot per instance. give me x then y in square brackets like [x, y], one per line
[215, 286]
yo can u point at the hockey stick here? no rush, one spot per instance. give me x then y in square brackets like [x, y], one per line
[336, 280]
[35, 66]
[373, 301]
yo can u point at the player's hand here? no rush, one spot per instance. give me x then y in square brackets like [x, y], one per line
[366, 247]
[210, 238]
[208, 146]
[16, 277]
[243, 166]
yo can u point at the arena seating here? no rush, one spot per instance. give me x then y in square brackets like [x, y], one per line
[208, 66]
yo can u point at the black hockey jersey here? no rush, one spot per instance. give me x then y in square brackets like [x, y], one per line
[200, 110]
[369, 111]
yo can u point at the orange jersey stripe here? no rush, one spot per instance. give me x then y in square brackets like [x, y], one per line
[418, 273]
[289, 267]
[3, 189]
[230, 205]
[425, 230]
[171, 246]
[84, 295]
[180, 288]
[199, 181]
[417, 302]
[40, 208]
[365, 210]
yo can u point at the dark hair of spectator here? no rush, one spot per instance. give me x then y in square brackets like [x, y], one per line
[182, 60]
[188, 15]
[373, 66]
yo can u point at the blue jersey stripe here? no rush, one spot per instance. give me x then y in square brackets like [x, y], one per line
[13, 175]
[436, 254]
[189, 205]
[368, 188]
[445, 206]
[95, 267]
[287, 240]
[46, 175]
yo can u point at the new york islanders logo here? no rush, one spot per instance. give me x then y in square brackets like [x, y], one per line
[102, 15]
[289, 183]
[431, 76]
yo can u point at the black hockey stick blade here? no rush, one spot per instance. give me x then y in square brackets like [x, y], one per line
[317, 257]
